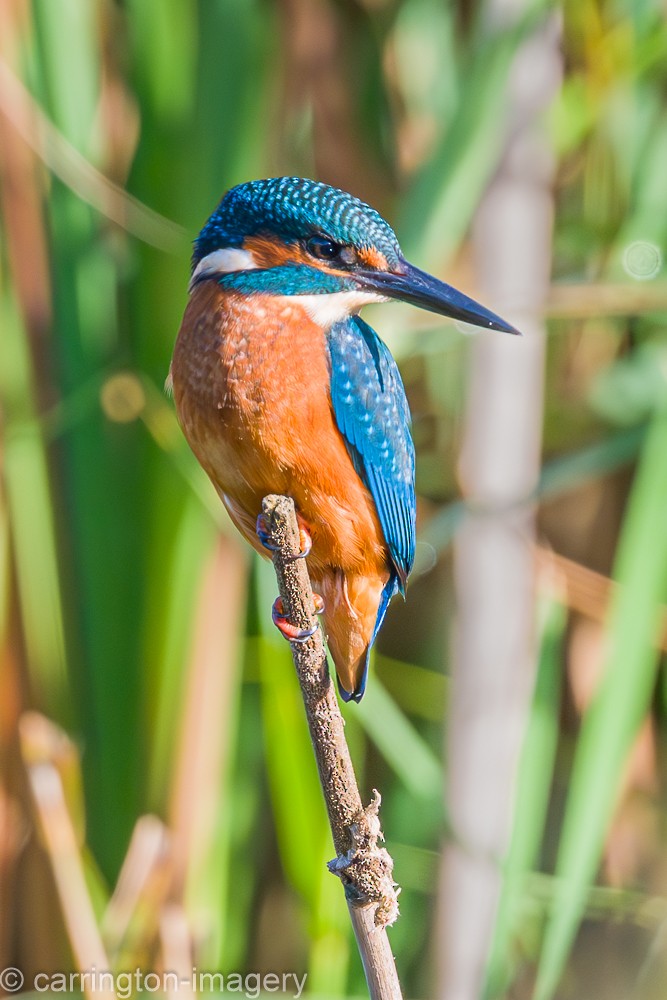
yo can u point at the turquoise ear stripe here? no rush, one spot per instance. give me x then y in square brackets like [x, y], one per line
[287, 279]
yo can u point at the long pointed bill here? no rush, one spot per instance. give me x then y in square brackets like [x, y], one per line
[423, 290]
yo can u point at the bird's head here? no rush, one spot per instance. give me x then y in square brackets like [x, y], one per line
[294, 236]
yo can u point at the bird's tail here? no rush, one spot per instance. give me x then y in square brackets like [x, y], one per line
[360, 668]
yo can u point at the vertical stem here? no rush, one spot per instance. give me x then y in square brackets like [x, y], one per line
[494, 661]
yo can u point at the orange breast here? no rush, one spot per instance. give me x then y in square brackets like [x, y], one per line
[251, 387]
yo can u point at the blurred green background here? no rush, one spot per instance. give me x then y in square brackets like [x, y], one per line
[159, 803]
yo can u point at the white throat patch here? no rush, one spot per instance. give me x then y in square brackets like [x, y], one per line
[332, 307]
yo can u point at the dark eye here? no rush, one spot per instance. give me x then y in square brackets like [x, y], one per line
[323, 248]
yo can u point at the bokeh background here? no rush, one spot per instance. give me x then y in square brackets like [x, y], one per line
[159, 803]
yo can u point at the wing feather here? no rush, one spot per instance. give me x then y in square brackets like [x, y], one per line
[372, 414]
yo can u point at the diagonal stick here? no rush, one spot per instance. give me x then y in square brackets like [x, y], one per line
[364, 868]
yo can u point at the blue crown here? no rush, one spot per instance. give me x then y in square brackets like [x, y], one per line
[295, 208]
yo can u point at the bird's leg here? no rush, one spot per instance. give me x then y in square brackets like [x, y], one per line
[286, 628]
[305, 540]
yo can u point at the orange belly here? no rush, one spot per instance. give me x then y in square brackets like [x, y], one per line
[251, 387]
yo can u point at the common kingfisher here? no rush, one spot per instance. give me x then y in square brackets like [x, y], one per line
[280, 387]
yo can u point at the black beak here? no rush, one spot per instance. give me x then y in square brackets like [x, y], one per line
[409, 284]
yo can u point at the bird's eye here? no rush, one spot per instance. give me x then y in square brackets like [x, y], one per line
[323, 249]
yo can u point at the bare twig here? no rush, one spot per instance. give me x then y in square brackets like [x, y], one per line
[131, 916]
[364, 868]
[42, 746]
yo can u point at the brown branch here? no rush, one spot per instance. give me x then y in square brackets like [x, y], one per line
[364, 868]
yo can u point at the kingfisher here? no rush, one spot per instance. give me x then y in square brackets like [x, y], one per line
[281, 387]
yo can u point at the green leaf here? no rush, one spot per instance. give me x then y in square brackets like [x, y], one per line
[620, 705]
[532, 799]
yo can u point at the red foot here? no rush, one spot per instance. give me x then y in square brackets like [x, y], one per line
[286, 628]
[305, 541]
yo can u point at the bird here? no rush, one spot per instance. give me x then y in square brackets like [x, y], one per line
[280, 387]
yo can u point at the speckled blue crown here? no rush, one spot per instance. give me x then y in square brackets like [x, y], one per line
[295, 208]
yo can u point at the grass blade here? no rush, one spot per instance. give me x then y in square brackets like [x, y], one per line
[620, 705]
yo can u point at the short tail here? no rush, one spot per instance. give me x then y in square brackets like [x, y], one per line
[388, 591]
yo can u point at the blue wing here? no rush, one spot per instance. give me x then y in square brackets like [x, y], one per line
[373, 416]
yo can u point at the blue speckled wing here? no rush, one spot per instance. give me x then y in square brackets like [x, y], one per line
[372, 415]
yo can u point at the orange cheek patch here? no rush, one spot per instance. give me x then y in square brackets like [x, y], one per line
[373, 258]
[272, 252]
[268, 252]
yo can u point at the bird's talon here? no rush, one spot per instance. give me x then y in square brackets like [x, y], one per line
[305, 541]
[263, 533]
[318, 603]
[288, 630]
[305, 544]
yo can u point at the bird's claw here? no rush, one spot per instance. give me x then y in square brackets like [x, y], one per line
[263, 534]
[288, 630]
[305, 541]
